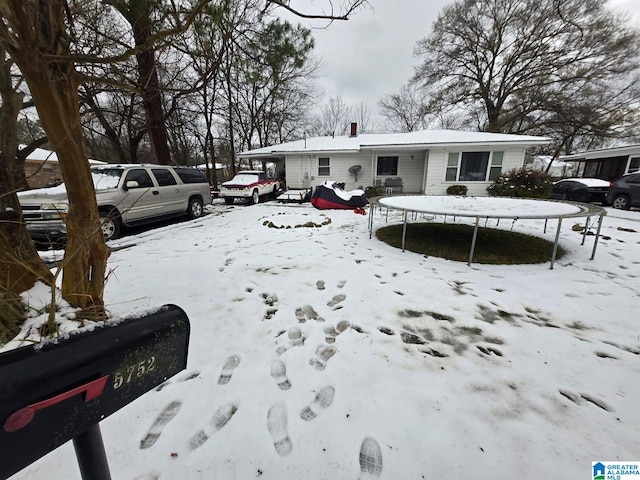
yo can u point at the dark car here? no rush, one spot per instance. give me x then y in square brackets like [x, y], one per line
[589, 190]
[625, 192]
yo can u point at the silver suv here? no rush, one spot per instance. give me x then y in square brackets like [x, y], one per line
[127, 195]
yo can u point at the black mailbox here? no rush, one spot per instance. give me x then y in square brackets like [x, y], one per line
[52, 393]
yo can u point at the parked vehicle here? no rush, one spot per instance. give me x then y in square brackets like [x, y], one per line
[249, 185]
[127, 195]
[589, 190]
[625, 192]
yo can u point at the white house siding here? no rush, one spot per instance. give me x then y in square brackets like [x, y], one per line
[410, 169]
[421, 171]
[435, 183]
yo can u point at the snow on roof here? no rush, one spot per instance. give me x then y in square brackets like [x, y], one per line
[40, 154]
[419, 139]
[603, 153]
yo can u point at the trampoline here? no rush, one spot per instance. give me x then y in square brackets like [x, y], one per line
[493, 208]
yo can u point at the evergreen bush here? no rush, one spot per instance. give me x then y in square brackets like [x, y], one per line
[522, 183]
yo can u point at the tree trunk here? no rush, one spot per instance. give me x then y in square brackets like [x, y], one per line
[152, 102]
[39, 30]
[20, 264]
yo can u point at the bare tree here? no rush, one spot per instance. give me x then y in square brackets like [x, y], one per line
[39, 38]
[521, 62]
[35, 33]
[363, 116]
[20, 264]
[334, 118]
[406, 110]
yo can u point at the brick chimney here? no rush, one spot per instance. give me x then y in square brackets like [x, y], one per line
[354, 129]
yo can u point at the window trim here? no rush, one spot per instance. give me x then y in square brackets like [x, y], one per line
[395, 159]
[321, 168]
[449, 167]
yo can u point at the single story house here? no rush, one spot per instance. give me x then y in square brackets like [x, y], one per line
[426, 161]
[605, 163]
[42, 169]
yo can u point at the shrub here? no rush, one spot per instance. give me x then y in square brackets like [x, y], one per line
[457, 190]
[523, 183]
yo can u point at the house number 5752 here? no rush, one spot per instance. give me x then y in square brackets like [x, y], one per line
[133, 372]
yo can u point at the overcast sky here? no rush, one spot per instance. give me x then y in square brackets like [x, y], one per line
[371, 55]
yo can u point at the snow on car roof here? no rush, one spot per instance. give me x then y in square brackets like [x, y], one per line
[101, 181]
[243, 178]
[589, 182]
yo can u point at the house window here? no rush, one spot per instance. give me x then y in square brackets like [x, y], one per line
[324, 169]
[387, 166]
[47, 169]
[496, 166]
[473, 166]
[634, 165]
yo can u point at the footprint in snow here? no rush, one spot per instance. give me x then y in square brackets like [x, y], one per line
[323, 354]
[219, 419]
[295, 340]
[165, 416]
[279, 374]
[370, 460]
[336, 300]
[227, 370]
[277, 426]
[320, 285]
[322, 400]
[307, 312]
[181, 377]
[331, 332]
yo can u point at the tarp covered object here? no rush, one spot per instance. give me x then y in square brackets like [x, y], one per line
[330, 196]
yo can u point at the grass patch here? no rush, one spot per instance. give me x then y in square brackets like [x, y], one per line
[453, 242]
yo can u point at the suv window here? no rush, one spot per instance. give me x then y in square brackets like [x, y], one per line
[190, 175]
[634, 178]
[141, 176]
[163, 176]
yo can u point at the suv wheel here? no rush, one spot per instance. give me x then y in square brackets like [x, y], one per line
[195, 208]
[228, 200]
[110, 224]
[621, 202]
[255, 198]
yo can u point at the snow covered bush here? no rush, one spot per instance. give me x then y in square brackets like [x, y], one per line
[523, 183]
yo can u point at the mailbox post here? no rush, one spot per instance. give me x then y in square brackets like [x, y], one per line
[61, 390]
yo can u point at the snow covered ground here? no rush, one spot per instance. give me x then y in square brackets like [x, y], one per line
[340, 351]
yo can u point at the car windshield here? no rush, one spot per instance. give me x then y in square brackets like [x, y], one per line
[245, 179]
[105, 178]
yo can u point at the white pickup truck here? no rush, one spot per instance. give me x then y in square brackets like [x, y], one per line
[249, 185]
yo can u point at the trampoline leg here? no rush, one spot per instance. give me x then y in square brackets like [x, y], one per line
[473, 241]
[555, 244]
[404, 229]
[595, 243]
[584, 232]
